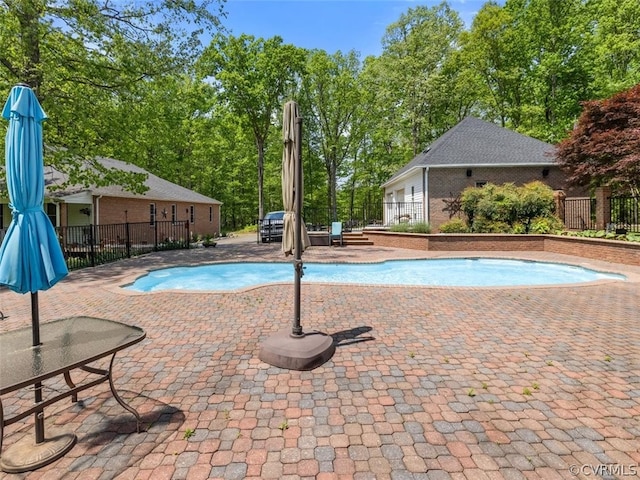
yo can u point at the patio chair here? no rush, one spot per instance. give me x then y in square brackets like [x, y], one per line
[336, 233]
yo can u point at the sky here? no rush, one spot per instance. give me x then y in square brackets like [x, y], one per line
[330, 25]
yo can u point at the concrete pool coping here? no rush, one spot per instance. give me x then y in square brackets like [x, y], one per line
[335, 260]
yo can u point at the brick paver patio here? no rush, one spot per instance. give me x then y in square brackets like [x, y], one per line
[426, 383]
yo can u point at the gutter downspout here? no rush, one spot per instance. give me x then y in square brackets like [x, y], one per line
[96, 211]
[425, 194]
[219, 218]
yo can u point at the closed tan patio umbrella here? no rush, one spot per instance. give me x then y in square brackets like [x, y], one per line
[294, 349]
[290, 185]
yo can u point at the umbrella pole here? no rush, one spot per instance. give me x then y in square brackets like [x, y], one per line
[35, 331]
[296, 331]
[35, 319]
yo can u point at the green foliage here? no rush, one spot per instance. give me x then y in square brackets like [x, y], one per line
[628, 237]
[406, 227]
[510, 209]
[484, 225]
[332, 95]
[455, 225]
[254, 77]
[415, 52]
[603, 147]
[518, 228]
[94, 67]
[548, 224]
[400, 227]
[421, 227]
[535, 199]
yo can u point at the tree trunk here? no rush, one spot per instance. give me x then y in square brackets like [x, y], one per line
[260, 147]
[333, 197]
[29, 14]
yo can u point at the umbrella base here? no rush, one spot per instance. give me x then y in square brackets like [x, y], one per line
[305, 352]
[26, 455]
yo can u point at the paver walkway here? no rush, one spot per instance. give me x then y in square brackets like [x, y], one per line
[426, 383]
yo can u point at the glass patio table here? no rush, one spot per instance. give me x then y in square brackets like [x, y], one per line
[66, 345]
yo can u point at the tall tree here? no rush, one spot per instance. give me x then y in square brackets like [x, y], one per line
[616, 45]
[554, 37]
[332, 95]
[604, 146]
[490, 48]
[415, 49]
[82, 57]
[253, 76]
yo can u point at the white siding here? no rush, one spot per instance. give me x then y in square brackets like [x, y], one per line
[408, 189]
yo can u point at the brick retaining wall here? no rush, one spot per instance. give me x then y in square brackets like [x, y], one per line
[627, 253]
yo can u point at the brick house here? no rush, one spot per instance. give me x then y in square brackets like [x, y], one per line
[163, 201]
[472, 153]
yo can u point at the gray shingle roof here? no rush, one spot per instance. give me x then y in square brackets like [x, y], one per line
[475, 142]
[159, 189]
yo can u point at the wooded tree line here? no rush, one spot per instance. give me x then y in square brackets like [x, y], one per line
[134, 82]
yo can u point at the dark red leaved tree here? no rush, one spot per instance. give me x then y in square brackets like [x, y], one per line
[604, 146]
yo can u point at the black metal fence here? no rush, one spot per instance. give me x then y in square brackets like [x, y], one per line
[625, 213]
[91, 245]
[403, 212]
[580, 213]
[319, 219]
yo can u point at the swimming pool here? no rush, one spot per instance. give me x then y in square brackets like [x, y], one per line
[456, 272]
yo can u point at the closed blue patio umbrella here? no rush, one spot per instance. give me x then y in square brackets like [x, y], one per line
[31, 258]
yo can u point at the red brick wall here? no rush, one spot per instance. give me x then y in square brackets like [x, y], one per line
[627, 253]
[413, 241]
[445, 183]
[111, 210]
[487, 243]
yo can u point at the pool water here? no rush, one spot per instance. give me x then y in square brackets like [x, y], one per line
[457, 272]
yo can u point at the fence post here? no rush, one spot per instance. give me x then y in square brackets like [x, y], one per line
[603, 207]
[127, 239]
[155, 237]
[559, 199]
[92, 243]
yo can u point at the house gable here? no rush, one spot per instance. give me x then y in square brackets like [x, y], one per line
[473, 143]
[158, 189]
[163, 201]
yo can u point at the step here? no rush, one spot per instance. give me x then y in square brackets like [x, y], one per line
[355, 238]
[357, 242]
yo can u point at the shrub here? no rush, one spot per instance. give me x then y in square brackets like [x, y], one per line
[399, 227]
[519, 228]
[482, 225]
[421, 227]
[510, 209]
[629, 237]
[456, 225]
[549, 224]
[535, 200]
[405, 227]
